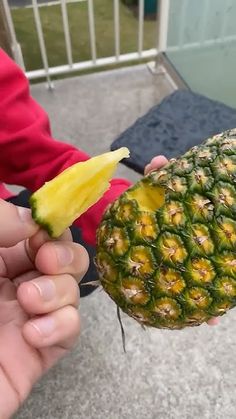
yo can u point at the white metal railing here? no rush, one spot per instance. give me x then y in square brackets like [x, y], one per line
[16, 49]
[117, 28]
[66, 32]
[162, 44]
[92, 31]
[163, 25]
[41, 40]
[95, 61]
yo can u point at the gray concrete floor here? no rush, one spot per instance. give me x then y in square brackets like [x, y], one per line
[187, 374]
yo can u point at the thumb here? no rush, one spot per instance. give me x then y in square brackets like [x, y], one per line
[16, 224]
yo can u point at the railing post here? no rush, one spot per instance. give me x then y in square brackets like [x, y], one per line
[42, 43]
[92, 31]
[66, 32]
[162, 35]
[8, 39]
[5, 35]
[117, 28]
[162, 25]
[140, 27]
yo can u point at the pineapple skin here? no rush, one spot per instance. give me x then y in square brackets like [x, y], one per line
[166, 248]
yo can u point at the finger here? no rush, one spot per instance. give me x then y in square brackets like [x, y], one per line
[62, 257]
[156, 163]
[23, 255]
[48, 293]
[41, 237]
[16, 224]
[7, 293]
[60, 328]
[214, 321]
[19, 255]
[27, 276]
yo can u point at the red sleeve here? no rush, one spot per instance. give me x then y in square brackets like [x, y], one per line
[29, 155]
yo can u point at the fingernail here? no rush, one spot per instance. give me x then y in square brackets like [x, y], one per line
[45, 325]
[147, 167]
[46, 288]
[25, 215]
[64, 255]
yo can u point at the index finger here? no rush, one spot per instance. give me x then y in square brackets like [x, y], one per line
[16, 224]
[156, 163]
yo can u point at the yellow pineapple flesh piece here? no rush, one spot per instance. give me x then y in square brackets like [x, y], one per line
[59, 202]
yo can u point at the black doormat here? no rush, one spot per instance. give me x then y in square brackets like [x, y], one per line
[181, 121]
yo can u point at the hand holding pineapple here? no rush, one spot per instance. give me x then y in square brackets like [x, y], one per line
[166, 248]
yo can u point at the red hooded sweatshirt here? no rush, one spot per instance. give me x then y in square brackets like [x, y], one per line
[29, 155]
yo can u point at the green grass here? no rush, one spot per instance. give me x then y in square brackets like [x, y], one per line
[78, 20]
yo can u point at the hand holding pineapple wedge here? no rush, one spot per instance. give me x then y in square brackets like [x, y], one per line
[38, 302]
[166, 248]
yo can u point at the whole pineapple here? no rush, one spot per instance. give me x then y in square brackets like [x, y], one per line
[166, 249]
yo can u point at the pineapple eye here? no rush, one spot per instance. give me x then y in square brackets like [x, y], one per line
[200, 180]
[224, 197]
[102, 233]
[216, 139]
[173, 214]
[183, 167]
[134, 291]
[196, 318]
[205, 156]
[198, 298]
[201, 271]
[200, 242]
[145, 227]
[159, 177]
[224, 167]
[117, 242]
[200, 208]
[169, 282]
[226, 262]
[142, 315]
[171, 248]
[140, 262]
[177, 186]
[167, 309]
[220, 307]
[126, 212]
[229, 145]
[224, 231]
[225, 287]
[107, 269]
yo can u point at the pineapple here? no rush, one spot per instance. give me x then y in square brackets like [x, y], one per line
[62, 200]
[166, 249]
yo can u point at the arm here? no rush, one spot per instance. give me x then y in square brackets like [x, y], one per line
[29, 155]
